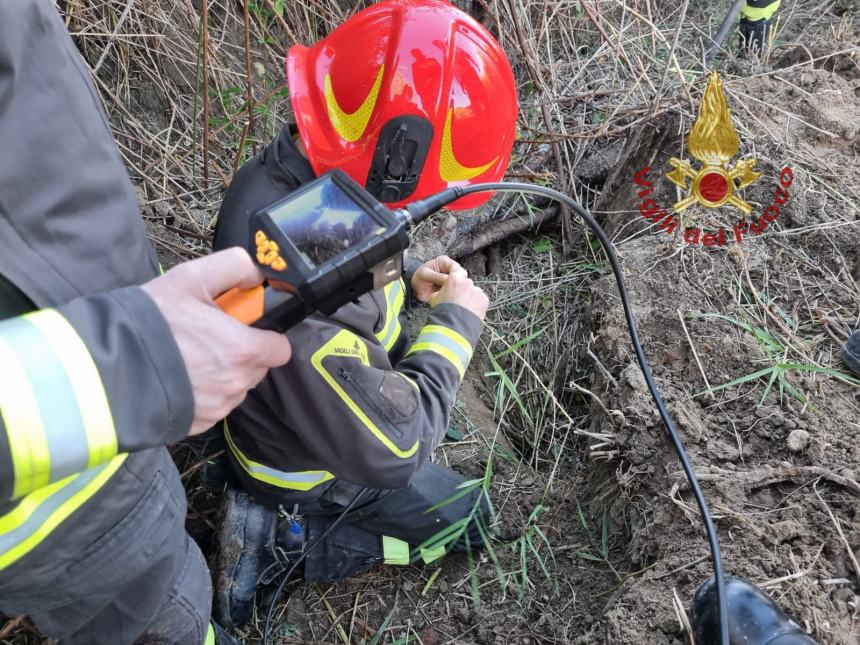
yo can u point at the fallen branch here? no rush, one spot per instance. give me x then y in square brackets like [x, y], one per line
[849, 550]
[12, 626]
[766, 476]
[496, 231]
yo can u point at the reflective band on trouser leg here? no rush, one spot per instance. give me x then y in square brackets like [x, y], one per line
[756, 10]
[390, 332]
[52, 400]
[395, 551]
[210, 635]
[432, 554]
[445, 342]
[39, 513]
[302, 480]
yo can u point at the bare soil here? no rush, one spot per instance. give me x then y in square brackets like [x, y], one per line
[598, 539]
[784, 522]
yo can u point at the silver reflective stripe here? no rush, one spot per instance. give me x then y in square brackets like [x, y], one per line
[44, 510]
[62, 424]
[304, 480]
[309, 477]
[392, 322]
[448, 343]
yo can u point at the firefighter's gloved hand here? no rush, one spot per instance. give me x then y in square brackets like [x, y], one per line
[224, 358]
[431, 276]
[460, 290]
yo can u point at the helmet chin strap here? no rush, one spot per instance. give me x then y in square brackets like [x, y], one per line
[398, 160]
[300, 146]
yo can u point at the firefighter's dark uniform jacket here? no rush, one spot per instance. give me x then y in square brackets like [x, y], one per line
[92, 385]
[357, 401]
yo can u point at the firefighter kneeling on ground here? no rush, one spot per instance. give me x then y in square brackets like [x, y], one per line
[407, 98]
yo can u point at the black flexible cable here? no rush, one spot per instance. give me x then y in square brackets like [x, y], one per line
[713, 541]
[416, 212]
[310, 547]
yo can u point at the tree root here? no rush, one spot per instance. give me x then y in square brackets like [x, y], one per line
[773, 475]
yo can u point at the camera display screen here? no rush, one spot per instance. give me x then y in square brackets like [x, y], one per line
[323, 222]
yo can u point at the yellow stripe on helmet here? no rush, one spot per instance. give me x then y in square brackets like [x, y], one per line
[351, 125]
[450, 169]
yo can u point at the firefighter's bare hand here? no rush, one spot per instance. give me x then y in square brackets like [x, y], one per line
[460, 290]
[224, 358]
[430, 276]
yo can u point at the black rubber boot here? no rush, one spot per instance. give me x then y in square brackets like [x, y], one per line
[245, 550]
[288, 547]
[753, 35]
[216, 475]
[851, 352]
[291, 536]
[754, 618]
[222, 637]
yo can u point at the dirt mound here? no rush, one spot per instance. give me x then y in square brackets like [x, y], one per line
[778, 452]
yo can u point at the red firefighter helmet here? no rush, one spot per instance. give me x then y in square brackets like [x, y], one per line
[408, 97]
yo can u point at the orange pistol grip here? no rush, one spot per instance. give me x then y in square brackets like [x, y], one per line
[245, 305]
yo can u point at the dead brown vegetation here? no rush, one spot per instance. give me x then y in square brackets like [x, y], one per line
[605, 88]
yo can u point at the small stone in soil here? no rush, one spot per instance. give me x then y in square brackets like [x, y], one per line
[797, 440]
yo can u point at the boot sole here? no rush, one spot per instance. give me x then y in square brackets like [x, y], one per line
[851, 352]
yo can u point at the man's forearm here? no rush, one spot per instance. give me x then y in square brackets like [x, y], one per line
[81, 383]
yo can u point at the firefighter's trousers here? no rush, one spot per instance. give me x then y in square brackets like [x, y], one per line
[121, 568]
[393, 526]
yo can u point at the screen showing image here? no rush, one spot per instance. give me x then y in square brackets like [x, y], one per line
[323, 222]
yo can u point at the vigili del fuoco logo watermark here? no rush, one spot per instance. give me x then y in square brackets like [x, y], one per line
[715, 182]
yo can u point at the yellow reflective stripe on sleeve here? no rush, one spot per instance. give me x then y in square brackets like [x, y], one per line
[23, 420]
[39, 513]
[390, 332]
[210, 635]
[432, 554]
[447, 343]
[86, 384]
[301, 480]
[757, 13]
[347, 344]
[54, 406]
[450, 334]
[442, 351]
[395, 551]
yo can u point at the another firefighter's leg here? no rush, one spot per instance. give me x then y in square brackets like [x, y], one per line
[392, 526]
[113, 581]
[757, 16]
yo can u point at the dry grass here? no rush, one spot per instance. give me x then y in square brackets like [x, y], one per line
[190, 98]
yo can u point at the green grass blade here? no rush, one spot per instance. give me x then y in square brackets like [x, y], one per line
[604, 537]
[842, 376]
[494, 557]
[377, 637]
[465, 489]
[508, 385]
[777, 373]
[582, 519]
[738, 381]
[444, 537]
[541, 563]
[546, 541]
[473, 576]
[521, 342]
